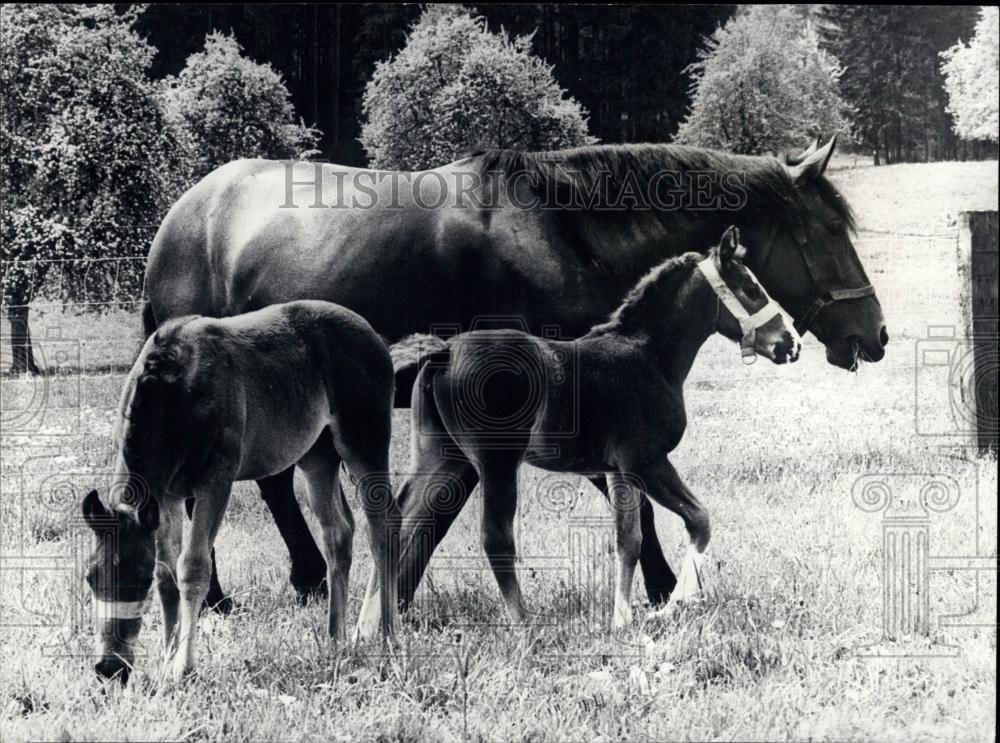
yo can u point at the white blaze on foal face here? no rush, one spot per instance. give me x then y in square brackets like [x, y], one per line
[120, 574]
[746, 312]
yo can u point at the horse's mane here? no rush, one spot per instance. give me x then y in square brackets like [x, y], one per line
[766, 179]
[664, 279]
[163, 367]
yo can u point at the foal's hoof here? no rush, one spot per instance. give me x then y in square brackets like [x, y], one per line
[307, 593]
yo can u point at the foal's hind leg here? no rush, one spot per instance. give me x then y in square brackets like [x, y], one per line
[383, 535]
[499, 510]
[430, 498]
[665, 486]
[659, 579]
[366, 454]
[321, 466]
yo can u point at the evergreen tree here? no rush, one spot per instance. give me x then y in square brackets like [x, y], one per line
[891, 75]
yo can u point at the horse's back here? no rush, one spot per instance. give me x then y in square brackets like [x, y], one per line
[275, 378]
[201, 245]
[256, 232]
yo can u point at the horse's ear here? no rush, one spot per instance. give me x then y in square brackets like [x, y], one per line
[795, 157]
[729, 245]
[93, 509]
[814, 165]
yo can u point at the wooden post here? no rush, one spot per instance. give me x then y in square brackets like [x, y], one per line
[978, 267]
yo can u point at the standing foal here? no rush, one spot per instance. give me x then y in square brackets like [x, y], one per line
[611, 401]
[212, 401]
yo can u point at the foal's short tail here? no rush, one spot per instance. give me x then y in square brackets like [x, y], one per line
[408, 357]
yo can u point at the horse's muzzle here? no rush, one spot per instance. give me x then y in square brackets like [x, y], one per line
[787, 350]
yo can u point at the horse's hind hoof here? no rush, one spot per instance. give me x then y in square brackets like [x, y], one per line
[660, 597]
[224, 606]
[306, 594]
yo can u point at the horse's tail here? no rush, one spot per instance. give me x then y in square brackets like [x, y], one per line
[409, 357]
[148, 319]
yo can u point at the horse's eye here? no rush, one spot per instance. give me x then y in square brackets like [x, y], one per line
[835, 228]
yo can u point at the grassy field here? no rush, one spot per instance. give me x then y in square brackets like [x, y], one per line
[776, 652]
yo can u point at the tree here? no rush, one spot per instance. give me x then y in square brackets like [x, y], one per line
[891, 77]
[456, 87]
[972, 79]
[762, 84]
[88, 164]
[226, 106]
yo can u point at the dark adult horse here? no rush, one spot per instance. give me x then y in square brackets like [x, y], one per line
[534, 239]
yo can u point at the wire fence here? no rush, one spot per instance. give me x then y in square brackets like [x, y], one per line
[85, 336]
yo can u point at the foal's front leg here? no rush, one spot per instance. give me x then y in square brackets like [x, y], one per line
[665, 486]
[625, 501]
[194, 567]
[656, 573]
[169, 538]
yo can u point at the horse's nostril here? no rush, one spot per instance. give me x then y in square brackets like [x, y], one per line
[883, 336]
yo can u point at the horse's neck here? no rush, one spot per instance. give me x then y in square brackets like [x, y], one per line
[672, 330]
[629, 244]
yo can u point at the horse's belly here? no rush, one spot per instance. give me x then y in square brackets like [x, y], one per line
[279, 443]
[564, 453]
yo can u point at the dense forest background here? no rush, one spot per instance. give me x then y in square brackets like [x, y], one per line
[627, 64]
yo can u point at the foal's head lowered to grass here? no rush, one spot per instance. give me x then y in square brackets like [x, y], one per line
[120, 574]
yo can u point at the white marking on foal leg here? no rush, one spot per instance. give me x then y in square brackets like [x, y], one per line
[625, 501]
[184, 660]
[371, 611]
[623, 606]
[689, 584]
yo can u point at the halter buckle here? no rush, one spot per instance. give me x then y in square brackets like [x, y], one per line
[749, 355]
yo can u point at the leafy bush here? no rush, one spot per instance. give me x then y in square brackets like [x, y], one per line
[456, 87]
[972, 79]
[762, 84]
[226, 106]
[88, 164]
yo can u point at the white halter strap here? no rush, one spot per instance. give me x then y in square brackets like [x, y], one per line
[107, 610]
[748, 323]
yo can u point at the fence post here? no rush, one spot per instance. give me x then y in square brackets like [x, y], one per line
[977, 265]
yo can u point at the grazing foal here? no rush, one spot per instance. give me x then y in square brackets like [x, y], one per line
[212, 401]
[611, 401]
